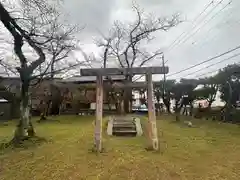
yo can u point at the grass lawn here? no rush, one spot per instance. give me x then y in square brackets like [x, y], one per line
[208, 151]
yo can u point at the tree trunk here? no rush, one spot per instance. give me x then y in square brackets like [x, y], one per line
[228, 112]
[117, 107]
[52, 67]
[167, 104]
[50, 96]
[210, 105]
[126, 100]
[25, 128]
[110, 99]
[185, 110]
[45, 111]
[158, 108]
[177, 110]
[122, 111]
[191, 109]
[128, 96]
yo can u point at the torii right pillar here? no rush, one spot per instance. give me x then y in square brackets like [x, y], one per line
[152, 126]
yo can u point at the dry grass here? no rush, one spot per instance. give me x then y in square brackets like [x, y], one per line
[208, 151]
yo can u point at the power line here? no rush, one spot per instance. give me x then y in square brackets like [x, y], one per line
[226, 21]
[204, 10]
[206, 22]
[186, 33]
[187, 36]
[195, 19]
[210, 72]
[213, 64]
[215, 57]
[211, 38]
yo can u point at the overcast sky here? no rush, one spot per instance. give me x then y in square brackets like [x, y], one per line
[212, 33]
[217, 30]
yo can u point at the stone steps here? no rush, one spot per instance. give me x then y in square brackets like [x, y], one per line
[133, 128]
[124, 132]
[124, 126]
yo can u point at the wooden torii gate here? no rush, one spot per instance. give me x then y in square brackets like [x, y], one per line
[148, 71]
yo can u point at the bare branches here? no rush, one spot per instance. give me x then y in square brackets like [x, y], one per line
[57, 71]
[41, 24]
[18, 34]
[9, 69]
[104, 43]
[147, 58]
[125, 40]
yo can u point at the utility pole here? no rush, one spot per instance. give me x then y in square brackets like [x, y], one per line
[164, 75]
[164, 82]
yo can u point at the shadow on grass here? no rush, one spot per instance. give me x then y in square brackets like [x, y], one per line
[93, 150]
[66, 119]
[48, 120]
[24, 144]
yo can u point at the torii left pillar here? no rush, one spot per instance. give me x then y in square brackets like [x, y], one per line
[99, 114]
[152, 125]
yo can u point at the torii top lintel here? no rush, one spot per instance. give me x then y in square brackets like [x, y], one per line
[124, 71]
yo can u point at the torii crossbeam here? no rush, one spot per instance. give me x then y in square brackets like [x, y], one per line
[148, 71]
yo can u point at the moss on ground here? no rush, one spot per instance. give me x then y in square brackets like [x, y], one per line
[211, 150]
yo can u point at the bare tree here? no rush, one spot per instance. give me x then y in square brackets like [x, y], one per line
[25, 128]
[31, 27]
[125, 40]
[59, 50]
[125, 43]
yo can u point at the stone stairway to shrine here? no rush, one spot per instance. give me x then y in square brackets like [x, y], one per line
[124, 126]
